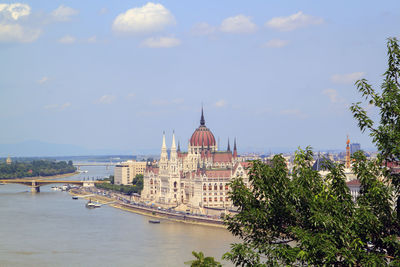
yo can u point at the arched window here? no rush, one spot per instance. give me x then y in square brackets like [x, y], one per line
[151, 181]
[215, 187]
[210, 199]
[226, 199]
[226, 187]
[221, 199]
[204, 187]
[215, 199]
[220, 186]
[175, 183]
[205, 199]
[209, 186]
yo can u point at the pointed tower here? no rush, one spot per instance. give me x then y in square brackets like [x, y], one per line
[229, 146]
[347, 152]
[163, 156]
[173, 162]
[202, 120]
[234, 149]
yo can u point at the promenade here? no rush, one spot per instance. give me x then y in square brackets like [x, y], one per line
[121, 202]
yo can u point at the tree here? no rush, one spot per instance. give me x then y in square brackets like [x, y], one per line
[385, 134]
[303, 218]
[202, 261]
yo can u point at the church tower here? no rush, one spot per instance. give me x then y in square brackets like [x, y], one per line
[347, 153]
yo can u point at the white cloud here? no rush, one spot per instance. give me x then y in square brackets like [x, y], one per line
[292, 22]
[294, 113]
[276, 43]
[333, 96]
[221, 103]
[67, 39]
[43, 80]
[106, 99]
[148, 18]
[238, 24]
[161, 42]
[64, 13]
[203, 28]
[92, 39]
[58, 106]
[14, 11]
[65, 105]
[17, 33]
[103, 11]
[12, 29]
[178, 101]
[347, 78]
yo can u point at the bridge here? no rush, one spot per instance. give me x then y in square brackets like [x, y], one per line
[106, 164]
[35, 184]
[79, 164]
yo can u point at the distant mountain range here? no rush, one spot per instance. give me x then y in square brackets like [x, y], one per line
[35, 148]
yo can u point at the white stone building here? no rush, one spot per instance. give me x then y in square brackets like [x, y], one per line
[197, 178]
[126, 171]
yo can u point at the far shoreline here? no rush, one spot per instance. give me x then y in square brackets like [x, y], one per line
[57, 176]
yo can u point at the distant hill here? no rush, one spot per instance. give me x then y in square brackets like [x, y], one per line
[35, 148]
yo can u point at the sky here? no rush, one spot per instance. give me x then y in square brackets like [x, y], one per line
[114, 75]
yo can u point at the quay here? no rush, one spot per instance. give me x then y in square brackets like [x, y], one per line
[153, 211]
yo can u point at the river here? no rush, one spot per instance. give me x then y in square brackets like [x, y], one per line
[51, 229]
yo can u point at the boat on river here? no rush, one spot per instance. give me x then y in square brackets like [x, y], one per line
[92, 205]
[74, 197]
[154, 221]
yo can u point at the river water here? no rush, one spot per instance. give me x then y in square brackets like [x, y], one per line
[51, 229]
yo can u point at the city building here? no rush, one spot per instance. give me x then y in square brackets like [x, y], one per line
[197, 178]
[354, 147]
[126, 171]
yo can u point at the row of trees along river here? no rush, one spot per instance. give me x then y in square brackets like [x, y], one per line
[136, 187]
[35, 168]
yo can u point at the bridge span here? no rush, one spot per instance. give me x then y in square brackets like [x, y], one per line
[35, 184]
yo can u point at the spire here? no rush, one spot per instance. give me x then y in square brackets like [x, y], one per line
[229, 146]
[234, 149]
[179, 147]
[173, 146]
[202, 121]
[164, 146]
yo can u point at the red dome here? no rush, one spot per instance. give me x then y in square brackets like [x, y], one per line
[202, 137]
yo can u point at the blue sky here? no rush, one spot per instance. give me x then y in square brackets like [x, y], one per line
[116, 74]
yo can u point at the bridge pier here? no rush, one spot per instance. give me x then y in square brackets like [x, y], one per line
[35, 188]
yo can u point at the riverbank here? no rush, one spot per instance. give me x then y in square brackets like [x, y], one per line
[149, 211]
[57, 176]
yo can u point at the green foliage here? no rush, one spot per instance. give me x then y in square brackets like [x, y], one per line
[386, 133]
[35, 168]
[125, 189]
[138, 181]
[305, 219]
[202, 261]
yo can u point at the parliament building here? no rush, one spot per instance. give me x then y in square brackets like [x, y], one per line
[197, 178]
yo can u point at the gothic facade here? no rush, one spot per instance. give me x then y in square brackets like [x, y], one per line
[197, 178]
